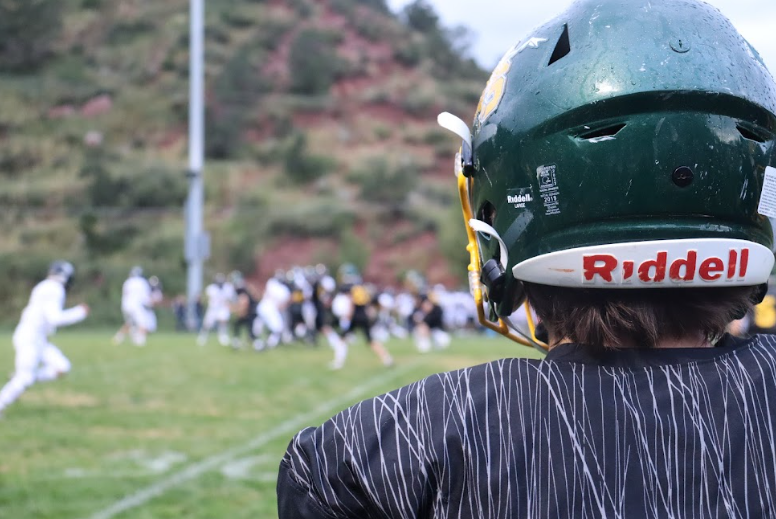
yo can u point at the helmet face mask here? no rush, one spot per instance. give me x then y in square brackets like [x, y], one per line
[651, 154]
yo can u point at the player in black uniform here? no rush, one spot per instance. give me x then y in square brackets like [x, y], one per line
[429, 324]
[619, 178]
[244, 310]
[362, 313]
[323, 289]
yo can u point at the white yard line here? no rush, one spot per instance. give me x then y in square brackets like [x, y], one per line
[195, 470]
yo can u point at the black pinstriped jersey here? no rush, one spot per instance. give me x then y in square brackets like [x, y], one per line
[685, 433]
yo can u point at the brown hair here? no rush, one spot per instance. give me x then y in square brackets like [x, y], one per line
[607, 318]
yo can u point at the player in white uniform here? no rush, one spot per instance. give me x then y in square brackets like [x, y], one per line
[220, 296]
[270, 312]
[135, 305]
[37, 360]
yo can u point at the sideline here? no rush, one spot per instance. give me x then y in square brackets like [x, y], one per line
[195, 470]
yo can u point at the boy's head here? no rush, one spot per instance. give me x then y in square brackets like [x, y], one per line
[623, 155]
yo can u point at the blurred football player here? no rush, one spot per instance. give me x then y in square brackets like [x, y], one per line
[37, 359]
[324, 289]
[618, 177]
[429, 328]
[156, 298]
[244, 310]
[271, 310]
[363, 314]
[135, 306]
[220, 295]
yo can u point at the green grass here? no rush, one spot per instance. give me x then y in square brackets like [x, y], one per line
[184, 431]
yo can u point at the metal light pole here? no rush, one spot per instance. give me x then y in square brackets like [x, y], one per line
[196, 241]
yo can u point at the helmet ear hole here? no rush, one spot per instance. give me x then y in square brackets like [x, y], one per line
[487, 213]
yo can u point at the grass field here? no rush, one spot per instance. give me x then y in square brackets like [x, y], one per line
[175, 430]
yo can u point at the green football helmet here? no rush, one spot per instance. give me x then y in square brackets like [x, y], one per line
[624, 144]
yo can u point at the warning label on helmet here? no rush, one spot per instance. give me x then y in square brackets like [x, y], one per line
[767, 205]
[548, 188]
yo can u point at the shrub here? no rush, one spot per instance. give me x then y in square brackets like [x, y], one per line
[316, 219]
[420, 16]
[385, 184]
[353, 250]
[302, 7]
[408, 53]
[28, 32]
[300, 166]
[313, 62]
[453, 240]
[16, 159]
[238, 17]
[369, 27]
[20, 272]
[239, 84]
[418, 102]
[377, 5]
[102, 188]
[153, 186]
[224, 127]
[125, 32]
[105, 237]
[343, 7]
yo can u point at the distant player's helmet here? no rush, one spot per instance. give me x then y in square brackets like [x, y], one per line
[62, 271]
[236, 278]
[136, 271]
[328, 284]
[321, 269]
[348, 274]
[625, 144]
[219, 279]
[415, 282]
[154, 282]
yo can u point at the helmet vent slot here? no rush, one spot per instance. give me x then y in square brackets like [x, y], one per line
[748, 134]
[563, 47]
[599, 133]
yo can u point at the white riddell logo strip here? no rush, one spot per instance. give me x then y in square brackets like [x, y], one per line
[655, 270]
[664, 263]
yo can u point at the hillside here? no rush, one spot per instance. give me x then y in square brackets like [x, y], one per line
[321, 140]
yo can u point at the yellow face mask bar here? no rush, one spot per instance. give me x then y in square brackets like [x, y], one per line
[475, 262]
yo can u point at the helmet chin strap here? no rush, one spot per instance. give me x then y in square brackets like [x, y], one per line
[483, 228]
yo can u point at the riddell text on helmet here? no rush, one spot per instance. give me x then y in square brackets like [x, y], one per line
[608, 268]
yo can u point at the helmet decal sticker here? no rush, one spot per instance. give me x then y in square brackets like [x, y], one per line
[517, 198]
[767, 205]
[494, 90]
[548, 187]
[497, 84]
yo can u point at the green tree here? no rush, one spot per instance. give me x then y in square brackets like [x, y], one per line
[385, 184]
[237, 88]
[313, 62]
[300, 165]
[28, 32]
[420, 16]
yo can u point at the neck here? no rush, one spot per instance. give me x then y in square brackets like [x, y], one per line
[694, 341]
